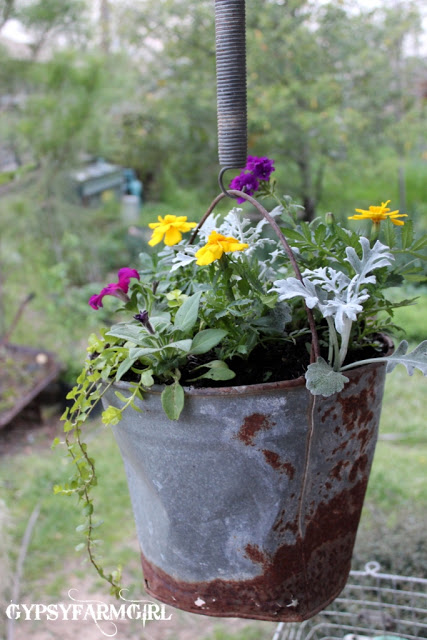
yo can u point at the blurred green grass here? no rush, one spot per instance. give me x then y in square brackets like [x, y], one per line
[247, 633]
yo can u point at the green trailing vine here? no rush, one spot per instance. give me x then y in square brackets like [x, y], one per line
[89, 390]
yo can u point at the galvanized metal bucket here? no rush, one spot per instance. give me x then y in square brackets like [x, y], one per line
[249, 504]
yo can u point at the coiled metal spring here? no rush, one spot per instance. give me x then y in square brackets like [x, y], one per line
[231, 82]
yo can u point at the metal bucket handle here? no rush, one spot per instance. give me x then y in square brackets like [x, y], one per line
[315, 350]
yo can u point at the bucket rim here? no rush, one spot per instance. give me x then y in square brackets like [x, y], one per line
[263, 387]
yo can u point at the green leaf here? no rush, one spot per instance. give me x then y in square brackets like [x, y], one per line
[407, 234]
[393, 280]
[416, 359]
[80, 546]
[420, 243]
[270, 300]
[187, 314]
[206, 340]
[390, 233]
[147, 379]
[120, 396]
[112, 416]
[173, 400]
[293, 234]
[416, 254]
[219, 373]
[322, 380]
[105, 374]
[136, 352]
[125, 366]
[320, 234]
[415, 277]
[181, 345]
[68, 426]
[131, 332]
[306, 231]
[218, 370]
[88, 509]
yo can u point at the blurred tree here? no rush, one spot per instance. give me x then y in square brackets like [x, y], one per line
[104, 15]
[169, 123]
[7, 8]
[296, 91]
[326, 81]
[406, 123]
[45, 19]
[322, 80]
[62, 117]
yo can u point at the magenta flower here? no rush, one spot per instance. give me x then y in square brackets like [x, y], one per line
[118, 289]
[125, 275]
[245, 182]
[262, 168]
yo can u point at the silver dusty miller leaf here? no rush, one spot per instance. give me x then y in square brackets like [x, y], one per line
[416, 359]
[372, 259]
[322, 380]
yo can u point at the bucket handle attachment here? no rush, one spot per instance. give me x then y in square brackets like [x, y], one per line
[315, 350]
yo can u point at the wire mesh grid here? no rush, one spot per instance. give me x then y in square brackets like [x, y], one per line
[372, 605]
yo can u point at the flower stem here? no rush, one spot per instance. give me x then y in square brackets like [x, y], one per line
[361, 363]
[334, 347]
[375, 232]
[226, 272]
[345, 337]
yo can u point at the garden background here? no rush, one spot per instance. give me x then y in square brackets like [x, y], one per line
[337, 96]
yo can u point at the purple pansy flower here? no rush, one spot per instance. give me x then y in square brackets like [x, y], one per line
[262, 168]
[245, 182]
[118, 289]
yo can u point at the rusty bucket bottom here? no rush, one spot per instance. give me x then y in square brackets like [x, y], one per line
[293, 597]
[294, 583]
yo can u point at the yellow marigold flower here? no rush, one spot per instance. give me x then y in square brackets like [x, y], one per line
[379, 213]
[217, 245]
[171, 228]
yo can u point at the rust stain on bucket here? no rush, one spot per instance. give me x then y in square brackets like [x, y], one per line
[275, 461]
[294, 584]
[255, 554]
[251, 426]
